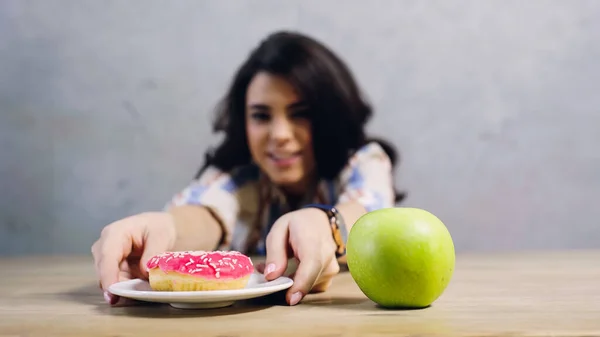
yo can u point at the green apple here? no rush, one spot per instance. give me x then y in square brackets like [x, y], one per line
[400, 257]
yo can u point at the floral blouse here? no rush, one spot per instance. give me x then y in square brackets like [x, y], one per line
[247, 205]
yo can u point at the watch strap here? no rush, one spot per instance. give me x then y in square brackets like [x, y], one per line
[338, 227]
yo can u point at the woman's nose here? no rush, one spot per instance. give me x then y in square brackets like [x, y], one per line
[281, 129]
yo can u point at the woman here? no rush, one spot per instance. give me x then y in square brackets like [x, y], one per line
[292, 175]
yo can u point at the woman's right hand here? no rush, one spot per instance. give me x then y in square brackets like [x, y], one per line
[126, 245]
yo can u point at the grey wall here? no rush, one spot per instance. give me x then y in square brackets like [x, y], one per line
[105, 108]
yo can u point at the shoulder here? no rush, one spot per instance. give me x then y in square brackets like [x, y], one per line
[367, 160]
[231, 180]
[371, 151]
[215, 184]
[368, 178]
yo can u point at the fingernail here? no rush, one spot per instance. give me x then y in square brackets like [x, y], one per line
[270, 268]
[296, 297]
[107, 297]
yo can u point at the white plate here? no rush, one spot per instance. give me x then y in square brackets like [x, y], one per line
[257, 286]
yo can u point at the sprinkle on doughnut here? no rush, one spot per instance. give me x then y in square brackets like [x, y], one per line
[207, 264]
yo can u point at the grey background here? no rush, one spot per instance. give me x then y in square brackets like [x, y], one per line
[105, 109]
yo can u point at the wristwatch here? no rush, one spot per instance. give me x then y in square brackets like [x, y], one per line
[338, 227]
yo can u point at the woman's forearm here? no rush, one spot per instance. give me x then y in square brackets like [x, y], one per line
[196, 228]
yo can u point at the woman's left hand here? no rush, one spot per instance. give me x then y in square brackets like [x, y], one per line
[304, 234]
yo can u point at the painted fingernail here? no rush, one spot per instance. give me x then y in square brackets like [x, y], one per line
[296, 297]
[270, 268]
[107, 297]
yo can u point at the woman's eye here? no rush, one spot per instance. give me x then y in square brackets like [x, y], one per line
[260, 116]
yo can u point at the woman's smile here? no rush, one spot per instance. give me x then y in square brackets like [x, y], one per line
[284, 159]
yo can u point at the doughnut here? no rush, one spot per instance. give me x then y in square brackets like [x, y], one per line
[199, 271]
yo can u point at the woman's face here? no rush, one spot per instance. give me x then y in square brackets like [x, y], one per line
[279, 133]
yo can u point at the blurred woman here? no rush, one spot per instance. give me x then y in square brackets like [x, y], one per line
[294, 172]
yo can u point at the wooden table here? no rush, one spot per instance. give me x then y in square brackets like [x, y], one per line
[524, 294]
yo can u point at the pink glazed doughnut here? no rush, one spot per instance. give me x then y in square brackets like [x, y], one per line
[199, 271]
